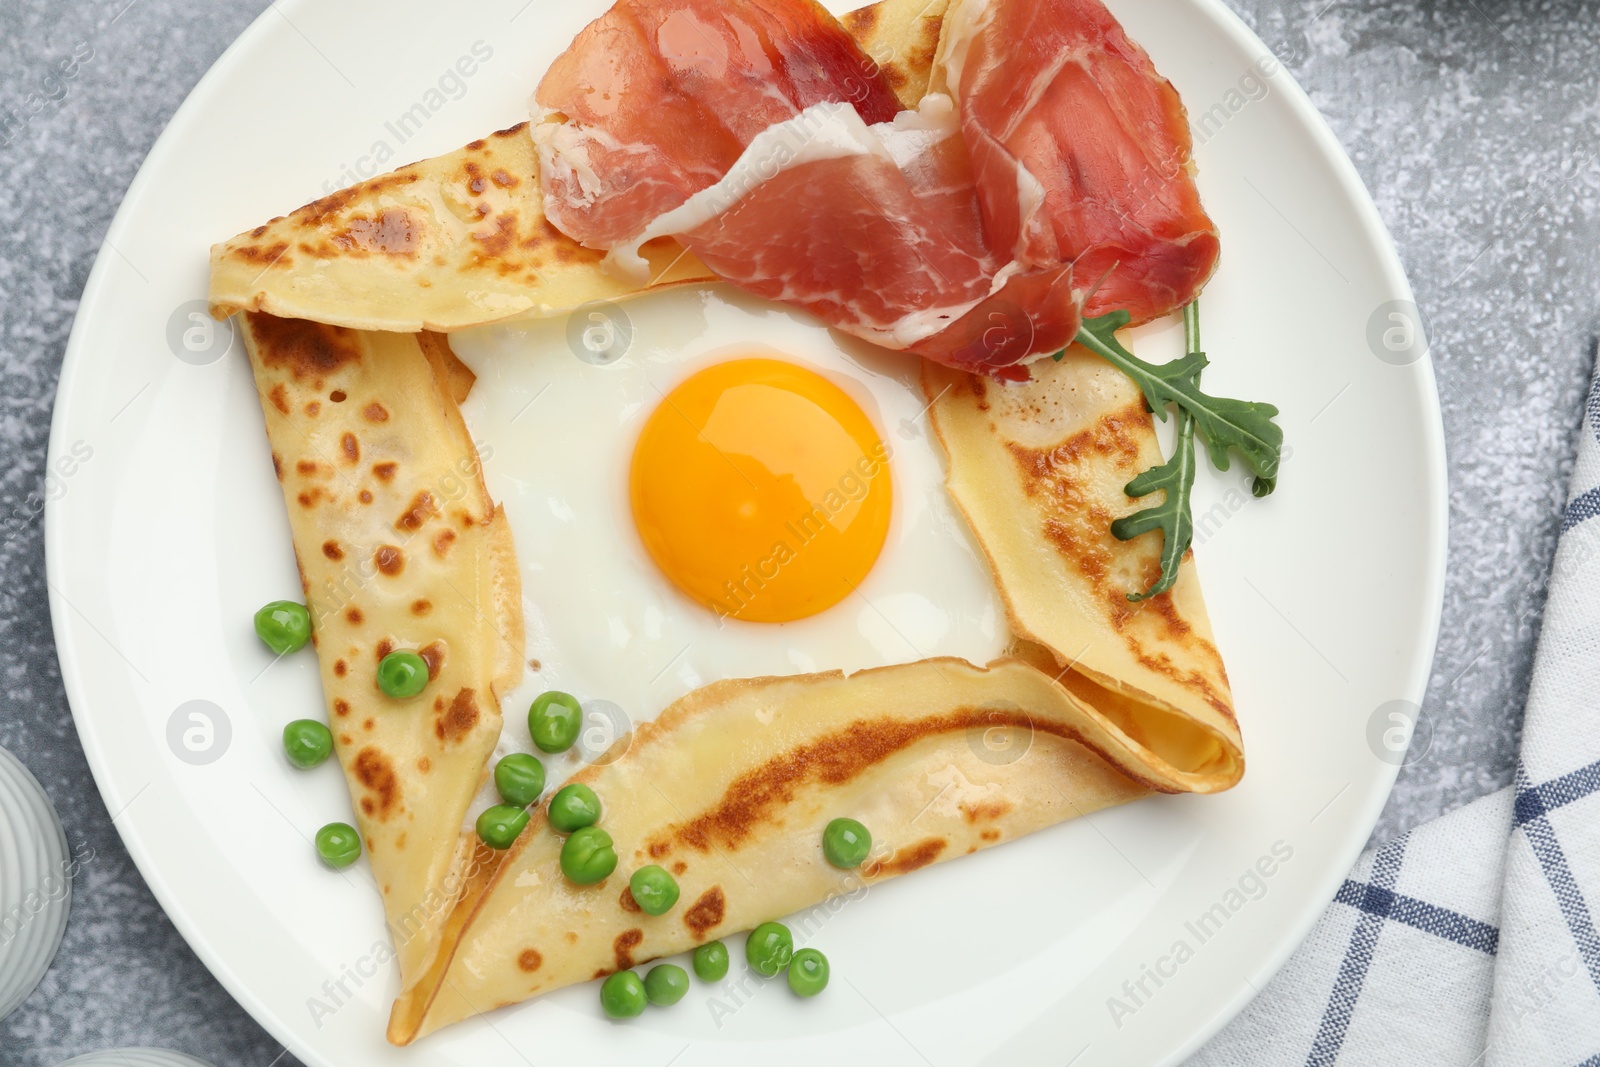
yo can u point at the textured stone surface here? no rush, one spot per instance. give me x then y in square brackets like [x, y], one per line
[1470, 120]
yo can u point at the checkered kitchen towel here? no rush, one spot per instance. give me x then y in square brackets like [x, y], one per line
[1473, 939]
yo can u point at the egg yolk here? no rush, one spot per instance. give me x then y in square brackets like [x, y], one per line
[761, 490]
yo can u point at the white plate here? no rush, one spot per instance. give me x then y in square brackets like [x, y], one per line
[166, 531]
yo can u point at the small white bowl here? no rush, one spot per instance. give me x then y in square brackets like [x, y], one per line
[35, 883]
[135, 1057]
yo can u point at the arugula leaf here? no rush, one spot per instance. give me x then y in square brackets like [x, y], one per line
[1173, 516]
[1226, 424]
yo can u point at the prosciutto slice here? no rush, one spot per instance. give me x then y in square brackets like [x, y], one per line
[1055, 90]
[972, 230]
[876, 230]
[656, 99]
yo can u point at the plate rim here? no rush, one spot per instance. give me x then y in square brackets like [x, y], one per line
[1433, 464]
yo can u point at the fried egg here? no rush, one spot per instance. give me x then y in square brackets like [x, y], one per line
[761, 489]
[704, 486]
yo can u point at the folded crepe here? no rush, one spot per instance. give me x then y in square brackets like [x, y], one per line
[731, 788]
[1101, 701]
[399, 547]
[1039, 471]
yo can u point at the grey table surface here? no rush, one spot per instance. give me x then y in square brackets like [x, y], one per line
[1473, 123]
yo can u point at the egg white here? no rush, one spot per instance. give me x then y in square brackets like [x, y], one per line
[556, 432]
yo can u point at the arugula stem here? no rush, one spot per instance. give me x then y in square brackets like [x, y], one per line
[1191, 345]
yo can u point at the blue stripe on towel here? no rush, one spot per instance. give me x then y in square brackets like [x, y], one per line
[1585, 505]
[1533, 801]
[1357, 959]
[1530, 808]
[1429, 918]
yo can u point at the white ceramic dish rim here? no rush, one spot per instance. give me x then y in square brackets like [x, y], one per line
[1358, 828]
[33, 838]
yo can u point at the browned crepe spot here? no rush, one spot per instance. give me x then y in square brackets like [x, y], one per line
[375, 773]
[624, 945]
[988, 809]
[393, 233]
[307, 350]
[433, 655]
[459, 718]
[706, 912]
[422, 509]
[628, 903]
[906, 860]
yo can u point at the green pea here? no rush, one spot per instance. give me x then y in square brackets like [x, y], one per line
[307, 743]
[768, 948]
[572, 808]
[338, 844]
[808, 972]
[622, 996]
[284, 625]
[403, 674]
[520, 779]
[587, 856]
[554, 721]
[665, 984]
[711, 961]
[846, 843]
[654, 890]
[499, 826]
